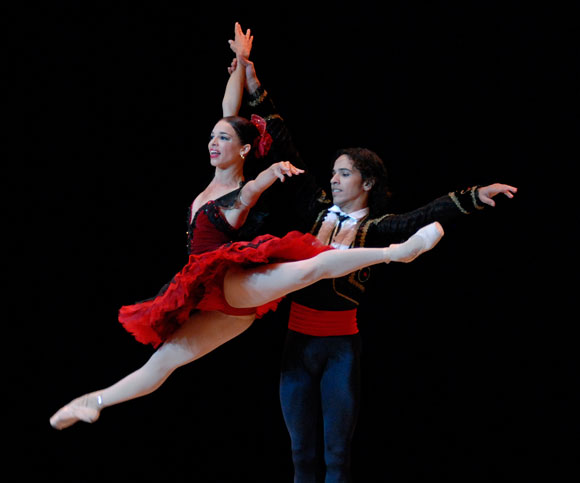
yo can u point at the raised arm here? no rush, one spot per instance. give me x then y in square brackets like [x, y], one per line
[234, 92]
[291, 204]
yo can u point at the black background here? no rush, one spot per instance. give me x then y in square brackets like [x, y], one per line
[470, 366]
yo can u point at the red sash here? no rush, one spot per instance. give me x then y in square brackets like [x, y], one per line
[322, 323]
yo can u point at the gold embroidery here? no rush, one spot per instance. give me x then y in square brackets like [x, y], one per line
[273, 116]
[323, 198]
[456, 201]
[257, 101]
[356, 283]
[364, 230]
[366, 224]
[341, 294]
[318, 221]
[474, 199]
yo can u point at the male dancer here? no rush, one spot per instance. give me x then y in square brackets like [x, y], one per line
[321, 360]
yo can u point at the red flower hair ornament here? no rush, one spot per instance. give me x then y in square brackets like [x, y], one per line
[263, 142]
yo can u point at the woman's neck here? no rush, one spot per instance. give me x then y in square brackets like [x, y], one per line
[224, 181]
[228, 177]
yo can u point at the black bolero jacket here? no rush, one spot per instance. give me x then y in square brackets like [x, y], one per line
[309, 204]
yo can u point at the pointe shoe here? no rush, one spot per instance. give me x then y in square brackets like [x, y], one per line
[420, 242]
[78, 409]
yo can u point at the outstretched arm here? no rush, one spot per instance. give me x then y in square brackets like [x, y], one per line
[253, 189]
[233, 94]
[393, 228]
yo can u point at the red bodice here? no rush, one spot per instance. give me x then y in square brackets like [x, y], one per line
[210, 230]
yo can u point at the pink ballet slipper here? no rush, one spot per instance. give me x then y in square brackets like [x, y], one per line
[80, 409]
[420, 242]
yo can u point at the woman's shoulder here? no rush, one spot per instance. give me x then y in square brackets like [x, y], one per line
[229, 199]
[205, 200]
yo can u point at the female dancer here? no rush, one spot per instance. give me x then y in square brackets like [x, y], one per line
[227, 283]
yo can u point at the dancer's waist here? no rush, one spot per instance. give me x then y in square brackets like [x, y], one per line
[322, 323]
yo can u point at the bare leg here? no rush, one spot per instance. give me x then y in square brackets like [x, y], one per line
[253, 287]
[201, 334]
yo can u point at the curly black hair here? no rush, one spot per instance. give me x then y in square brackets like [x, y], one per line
[371, 168]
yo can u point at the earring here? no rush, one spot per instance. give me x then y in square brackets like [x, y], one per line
[242, 156]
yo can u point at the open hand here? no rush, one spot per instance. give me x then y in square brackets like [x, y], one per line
[242, 43]
[486, 193]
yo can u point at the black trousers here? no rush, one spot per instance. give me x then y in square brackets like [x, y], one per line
[320, 376]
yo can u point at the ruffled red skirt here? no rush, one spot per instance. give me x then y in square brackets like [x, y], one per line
[199, 285]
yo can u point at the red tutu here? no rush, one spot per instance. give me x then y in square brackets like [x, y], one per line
[199, 285]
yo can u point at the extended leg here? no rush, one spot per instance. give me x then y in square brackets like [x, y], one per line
[253, 287]
[202, 333]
